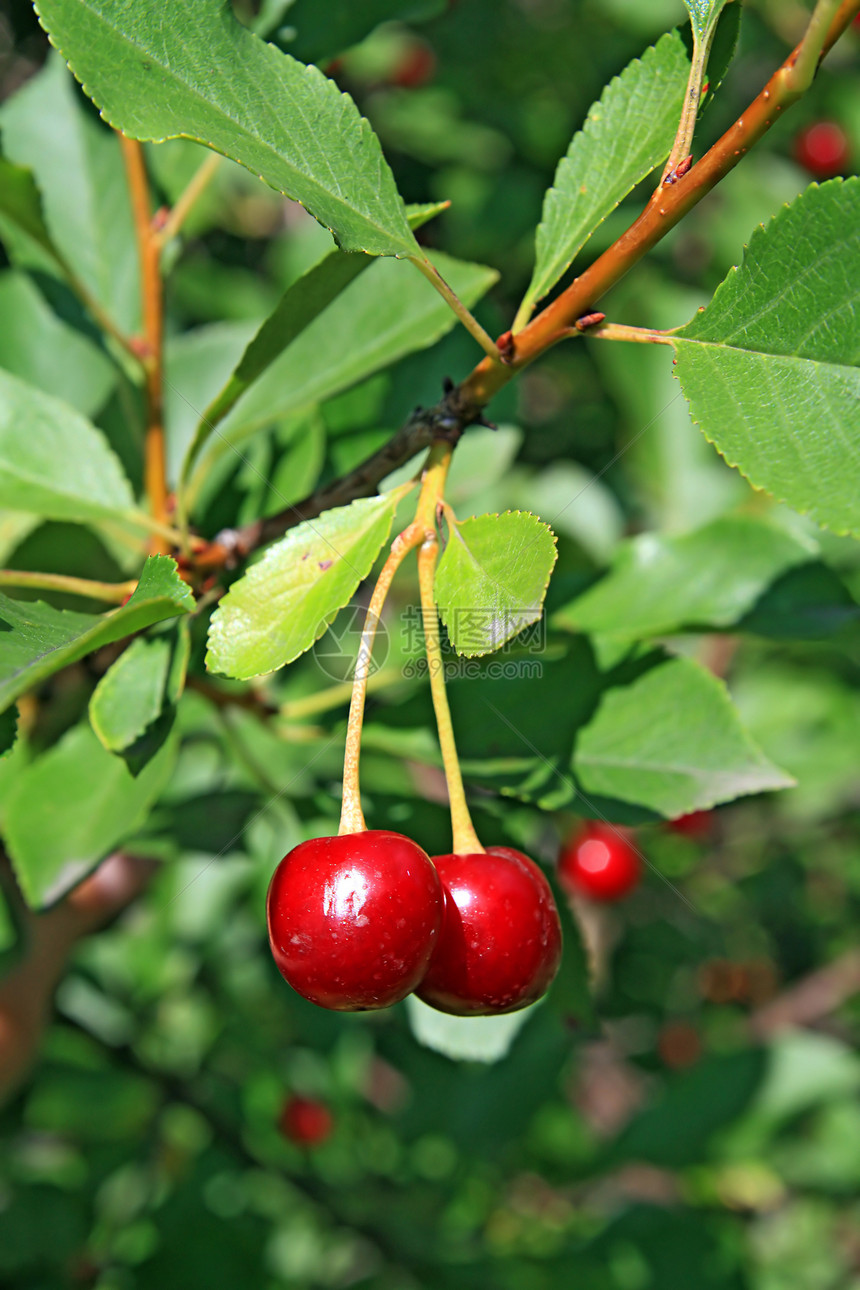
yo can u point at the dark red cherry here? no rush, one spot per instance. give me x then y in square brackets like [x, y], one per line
[599, 862]
[696, 824]
[305, 1121]
[353, 920]
[500, 944]
[823, 149]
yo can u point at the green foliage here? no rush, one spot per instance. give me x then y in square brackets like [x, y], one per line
[636, 750]
[710, 577]
[770, 369]
[149, 79]
[626, 134]
[472, 1153]
[286, 601]
[95, 804]
[704, 15]
[54, 462]
[80, 175]
[492, 579]
[39, 639]
[300, 306]
[390, 312]
[131, 696]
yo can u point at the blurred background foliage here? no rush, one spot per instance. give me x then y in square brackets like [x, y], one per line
[696, 1135]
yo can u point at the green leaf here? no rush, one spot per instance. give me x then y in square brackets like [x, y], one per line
[286, 601]
[770, 368]
[130, 695]
[374, 323]
[195, 72]
[711, 577]
[78, 168]
[636, 748]
[54, 462]
[492, 579]
[390, 312]
[41, 349]
[71, 807]
[299, 306]
[36, 640]
[196, 365]
[21, 205]
[704, 15]
[303, 301]
[628, 132]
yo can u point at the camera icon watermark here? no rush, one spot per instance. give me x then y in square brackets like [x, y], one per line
[337, 650]
[475, 630]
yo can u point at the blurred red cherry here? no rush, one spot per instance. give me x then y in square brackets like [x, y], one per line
[696, 824]
[823, 149]
[599, 862]
[305, 1121]
[416, 67]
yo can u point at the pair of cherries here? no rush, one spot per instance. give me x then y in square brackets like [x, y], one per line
[359, 921]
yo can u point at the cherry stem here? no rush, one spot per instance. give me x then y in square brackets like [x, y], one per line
[467, 318]
[351, 815]
[185, 202]
[465, 839]
[430, 503]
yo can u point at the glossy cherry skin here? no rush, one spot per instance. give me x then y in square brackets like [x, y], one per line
[823, 149]
[500, 944]
[305, 1121]
[353, 920]
[599, 862]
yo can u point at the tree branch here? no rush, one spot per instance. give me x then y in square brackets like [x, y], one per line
[463, 405]
[151, 349]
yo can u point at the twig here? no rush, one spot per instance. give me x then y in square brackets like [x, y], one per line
[182, 207]
[151, 353]
[447, 419]
[115, 592]
[813, 999]
[463, 405]
[467, 318]
[664, 210]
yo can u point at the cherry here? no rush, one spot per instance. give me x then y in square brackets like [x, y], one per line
[823, 149]
[696, 824]
[305, 1121]
[500, 943]
[416, 67]
[354, 919]
[599, 862]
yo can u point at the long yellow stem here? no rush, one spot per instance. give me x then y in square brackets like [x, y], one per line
[465, 839]
[351, 815]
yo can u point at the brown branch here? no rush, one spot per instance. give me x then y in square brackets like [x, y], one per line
[813, 999]
[463, 405]
[665, 209]
[152, 345]
[446, 420]
[26, 993]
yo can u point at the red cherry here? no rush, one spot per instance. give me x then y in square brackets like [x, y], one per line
[305, 1121]
[353, 920]
[416, 67]
[696, 824]
[599, 862]
[823, 149]
[500, 944]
